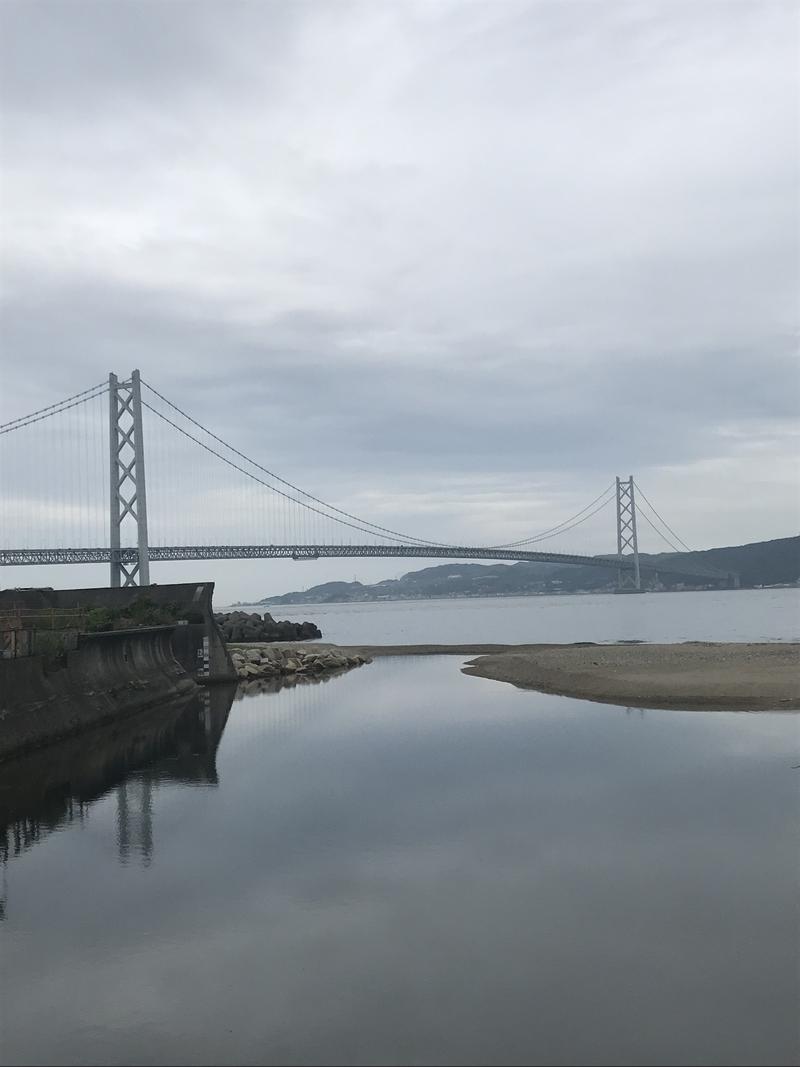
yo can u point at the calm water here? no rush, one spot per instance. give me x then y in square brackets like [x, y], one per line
[405, 865]
[727, 615]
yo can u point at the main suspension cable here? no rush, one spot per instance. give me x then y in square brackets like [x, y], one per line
[54, 409]
[663, 536]
[362, 523]
[260, 481]
[661, 520]
[566, 529]
[553, 530]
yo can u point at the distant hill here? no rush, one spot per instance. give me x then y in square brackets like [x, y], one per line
[762, 563]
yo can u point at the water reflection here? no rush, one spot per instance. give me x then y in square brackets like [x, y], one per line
[416, 866]
[56, 786]
[254, 686]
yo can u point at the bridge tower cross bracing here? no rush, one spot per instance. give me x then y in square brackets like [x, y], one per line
[626, 535]
[128, 495]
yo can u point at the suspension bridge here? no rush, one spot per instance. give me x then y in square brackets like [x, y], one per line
[75, 489]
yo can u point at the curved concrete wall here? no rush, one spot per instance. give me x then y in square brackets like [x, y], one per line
[192, 599]
[109, 675]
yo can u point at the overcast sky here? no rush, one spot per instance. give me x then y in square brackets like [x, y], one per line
[452, 266]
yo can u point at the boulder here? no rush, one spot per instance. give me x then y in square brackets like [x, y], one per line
[252, 627]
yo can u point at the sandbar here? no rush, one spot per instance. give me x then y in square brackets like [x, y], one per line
[692, 675]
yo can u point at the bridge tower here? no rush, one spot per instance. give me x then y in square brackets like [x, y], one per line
[127, 482]
[628, 581]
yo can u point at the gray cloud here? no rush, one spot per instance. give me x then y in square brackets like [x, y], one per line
[98, 56]
[389, 248]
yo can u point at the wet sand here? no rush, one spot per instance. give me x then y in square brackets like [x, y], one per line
[690, 676]
[741, 677]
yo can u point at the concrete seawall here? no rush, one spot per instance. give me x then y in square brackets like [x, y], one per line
[108, 676]
[197, 643]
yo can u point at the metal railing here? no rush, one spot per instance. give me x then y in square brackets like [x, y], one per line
[14, 617]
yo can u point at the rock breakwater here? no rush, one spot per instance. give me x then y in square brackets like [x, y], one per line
[250, 627]
[268, 661]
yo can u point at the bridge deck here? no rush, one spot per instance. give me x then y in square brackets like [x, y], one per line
[161, 554]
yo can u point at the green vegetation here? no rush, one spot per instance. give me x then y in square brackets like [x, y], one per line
[53, 643]
[142, 611]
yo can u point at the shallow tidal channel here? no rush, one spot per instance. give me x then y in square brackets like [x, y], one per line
[407, 865]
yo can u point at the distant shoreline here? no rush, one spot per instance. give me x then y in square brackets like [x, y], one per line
[772, 564]
[268, 605]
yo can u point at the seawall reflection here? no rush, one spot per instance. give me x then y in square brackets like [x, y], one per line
[55, 786]
[44, 791]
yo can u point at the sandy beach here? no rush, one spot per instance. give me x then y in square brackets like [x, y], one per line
[689, 676]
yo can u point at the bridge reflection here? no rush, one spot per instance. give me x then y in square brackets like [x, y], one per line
[55, 787]
[58, 785]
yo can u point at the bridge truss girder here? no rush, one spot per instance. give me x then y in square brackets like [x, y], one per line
[129, 556]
